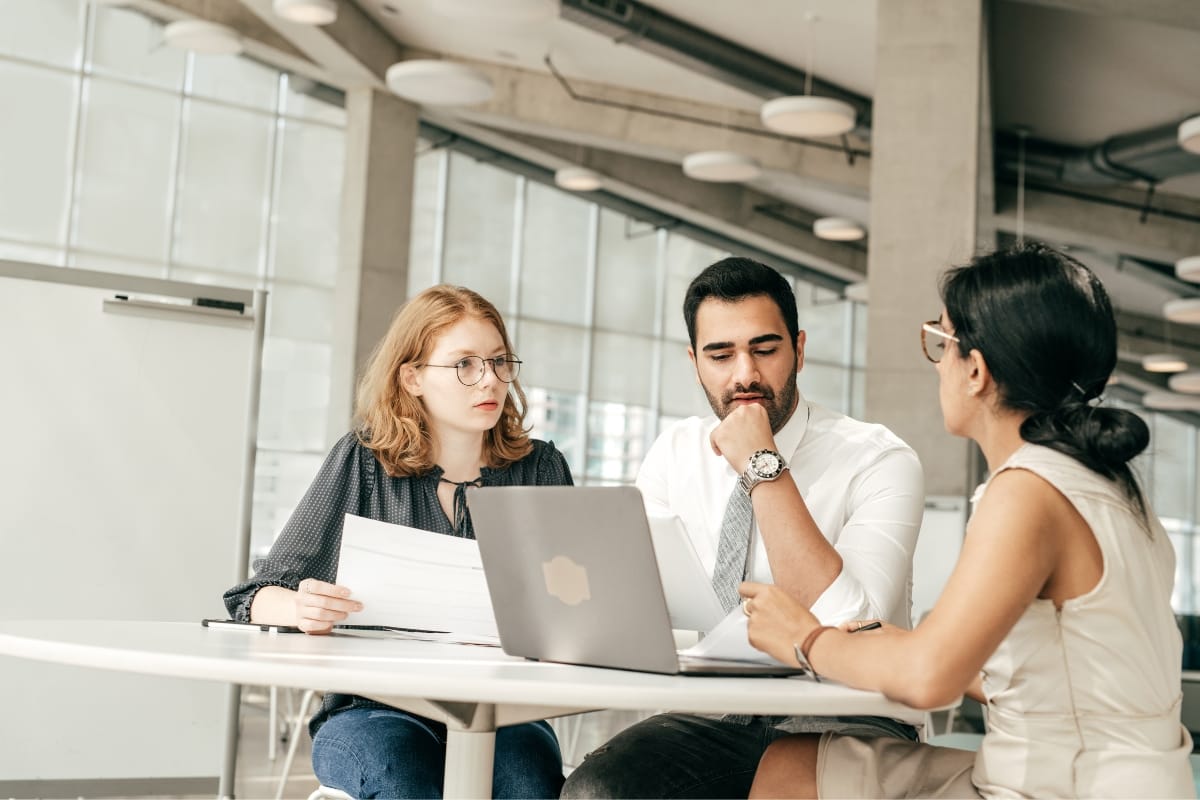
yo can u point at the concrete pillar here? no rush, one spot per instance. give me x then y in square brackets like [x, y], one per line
[924, 190]
[376, 214]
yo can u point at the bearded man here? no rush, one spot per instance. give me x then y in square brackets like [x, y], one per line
[773, 489]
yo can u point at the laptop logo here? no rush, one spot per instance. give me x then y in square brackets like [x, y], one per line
[566, 580]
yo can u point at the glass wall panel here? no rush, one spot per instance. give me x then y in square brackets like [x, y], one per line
[860, 334]
[130, 45]
[479, 229]
[555, 251]
[626, 275]
[308, 203]
[223, 190]
[1171, 442]
[622, 368]
[126, 164]
[295, 395]
[295, 311]
[858, 393]
[35, 151]
[554, 355]
[825, 384]
[685, 260]
[555, 417]
[681, 393]
[235, 80]
[423, 244]
[618, 437]
[826, 331]
[49, 31]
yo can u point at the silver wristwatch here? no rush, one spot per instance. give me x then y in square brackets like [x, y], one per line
[765, 465]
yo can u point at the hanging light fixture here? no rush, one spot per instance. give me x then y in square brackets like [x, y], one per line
[439, 83]
[1183, 309]
[1170, 401]
[577, 179]
[838, 229]
[202, 36]
[306, 12]
[805, 115]
[721, 166]
[1188, 269]
[1189, 134]
[1185, 383]
[1163, 362]
[496, 12]
[1166, 361]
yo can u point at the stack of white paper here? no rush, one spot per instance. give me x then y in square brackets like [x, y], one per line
[410, 578]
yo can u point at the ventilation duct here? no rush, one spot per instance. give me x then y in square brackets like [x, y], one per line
[1151, 155]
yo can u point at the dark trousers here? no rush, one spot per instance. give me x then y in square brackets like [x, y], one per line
[683, 755]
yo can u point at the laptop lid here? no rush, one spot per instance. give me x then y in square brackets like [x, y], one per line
[572, 574]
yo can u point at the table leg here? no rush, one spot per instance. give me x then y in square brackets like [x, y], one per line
[470, 755]
[229, 766]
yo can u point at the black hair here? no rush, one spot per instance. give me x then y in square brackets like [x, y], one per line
[734, 278]
[1045, 326]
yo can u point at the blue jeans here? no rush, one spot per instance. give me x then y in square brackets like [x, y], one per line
[372, 752]
[683, 755]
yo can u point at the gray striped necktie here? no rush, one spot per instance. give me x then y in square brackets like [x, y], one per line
[733, 548]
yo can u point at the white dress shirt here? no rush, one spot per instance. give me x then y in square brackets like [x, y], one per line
[863, 486]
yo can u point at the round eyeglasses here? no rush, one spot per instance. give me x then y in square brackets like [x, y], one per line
[936, 349]
[470, 369]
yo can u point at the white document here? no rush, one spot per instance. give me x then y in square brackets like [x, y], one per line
[691, 601]
[410, 578]
[730, 641]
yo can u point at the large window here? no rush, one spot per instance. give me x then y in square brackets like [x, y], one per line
[594, 302]
[122, 155]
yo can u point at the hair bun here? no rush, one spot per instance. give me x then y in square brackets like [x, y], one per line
[1104, 439]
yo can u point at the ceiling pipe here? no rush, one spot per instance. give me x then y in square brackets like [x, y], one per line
[1149, 156]
[638, 25]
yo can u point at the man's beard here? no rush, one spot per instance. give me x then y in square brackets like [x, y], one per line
[779, 407]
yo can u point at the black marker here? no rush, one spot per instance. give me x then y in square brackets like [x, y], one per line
[870, 626]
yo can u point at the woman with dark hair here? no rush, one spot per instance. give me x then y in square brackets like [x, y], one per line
[439, 409]
[1058, 613]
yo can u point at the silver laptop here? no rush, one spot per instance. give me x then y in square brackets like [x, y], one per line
[573, 578]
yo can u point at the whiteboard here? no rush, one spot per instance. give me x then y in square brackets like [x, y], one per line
[126, 446]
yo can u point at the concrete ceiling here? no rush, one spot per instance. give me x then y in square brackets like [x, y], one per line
[521, 33]
[1074, 72]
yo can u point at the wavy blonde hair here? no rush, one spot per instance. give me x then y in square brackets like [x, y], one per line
[393, 423]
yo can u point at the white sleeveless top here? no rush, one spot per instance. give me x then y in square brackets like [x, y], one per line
[1084, 701]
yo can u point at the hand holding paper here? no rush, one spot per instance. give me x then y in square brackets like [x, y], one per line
[409, 578]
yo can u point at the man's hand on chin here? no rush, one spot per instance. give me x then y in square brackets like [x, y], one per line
[743, 431]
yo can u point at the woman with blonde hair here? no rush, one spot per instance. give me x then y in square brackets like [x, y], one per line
[1058, 614]
[439, 409]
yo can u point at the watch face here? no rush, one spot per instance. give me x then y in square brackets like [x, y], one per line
[767, 464]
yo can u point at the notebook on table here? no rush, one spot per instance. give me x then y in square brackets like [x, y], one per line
[573, 578]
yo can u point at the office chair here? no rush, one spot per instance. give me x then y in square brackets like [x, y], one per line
[296, 731]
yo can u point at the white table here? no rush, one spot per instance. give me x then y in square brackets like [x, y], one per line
[472, 689]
